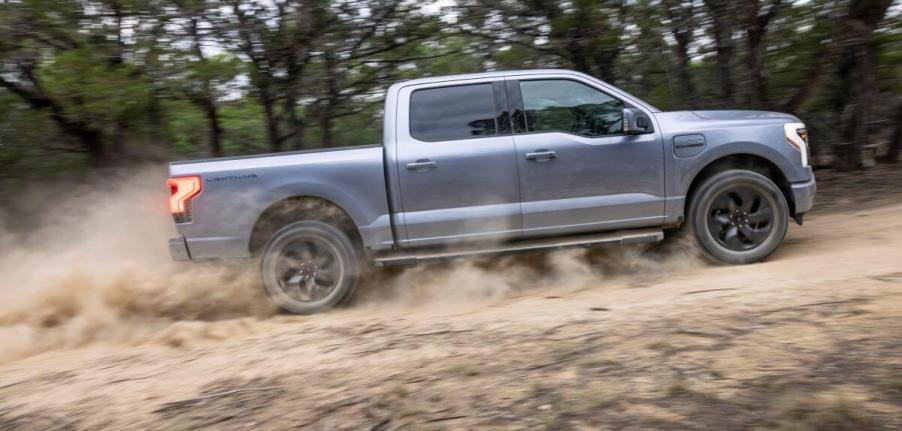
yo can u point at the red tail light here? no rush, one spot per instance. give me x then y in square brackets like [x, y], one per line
[181, 191]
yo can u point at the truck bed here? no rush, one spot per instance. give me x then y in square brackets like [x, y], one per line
[237, 190]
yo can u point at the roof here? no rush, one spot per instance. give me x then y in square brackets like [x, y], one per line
[497, 74]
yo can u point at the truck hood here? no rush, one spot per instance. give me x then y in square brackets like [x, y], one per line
[743, 115]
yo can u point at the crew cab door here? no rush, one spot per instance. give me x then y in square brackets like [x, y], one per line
[578, 171]
[456, 164]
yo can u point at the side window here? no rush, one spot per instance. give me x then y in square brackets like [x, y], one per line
[449, 113]
[557, 105]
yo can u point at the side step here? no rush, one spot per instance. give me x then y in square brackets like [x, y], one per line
[633, 236]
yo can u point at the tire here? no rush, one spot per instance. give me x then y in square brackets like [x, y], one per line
[738, 217]
[309, 267]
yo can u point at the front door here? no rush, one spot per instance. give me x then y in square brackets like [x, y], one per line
[578, 171]
[457, 164]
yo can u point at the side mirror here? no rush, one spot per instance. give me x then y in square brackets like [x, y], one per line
[635, 122]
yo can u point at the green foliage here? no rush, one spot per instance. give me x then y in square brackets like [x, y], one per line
[244, 126]
[186, 128]
[103, 83]
[92, 89]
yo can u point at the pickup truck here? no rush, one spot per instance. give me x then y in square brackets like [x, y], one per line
[494, 163]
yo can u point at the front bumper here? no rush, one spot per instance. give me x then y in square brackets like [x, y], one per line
[178, 248]
[803, 195]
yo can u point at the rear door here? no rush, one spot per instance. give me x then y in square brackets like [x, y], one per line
[457, 163]
[578, 171]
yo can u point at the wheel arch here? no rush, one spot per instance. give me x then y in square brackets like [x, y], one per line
[744, 161]
[297, 208]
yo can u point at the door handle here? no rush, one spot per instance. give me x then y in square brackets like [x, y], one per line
[422, 165]
[541, 155]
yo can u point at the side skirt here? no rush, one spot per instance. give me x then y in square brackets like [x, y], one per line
[619, 237]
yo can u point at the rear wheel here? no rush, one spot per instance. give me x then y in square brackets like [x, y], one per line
[309, 267]
[739, 217]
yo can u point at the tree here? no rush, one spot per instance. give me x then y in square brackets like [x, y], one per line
[858, 72]
[583, 34]
[198, 76]
[895, 140]
[114, 80]
[365, 49]
[277, 39]
[682, 22]
[722, 17]
[28, 33]
[74, 62]
[643, 63]
[756, 21]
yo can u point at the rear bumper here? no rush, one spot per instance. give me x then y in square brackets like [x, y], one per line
[803, 195]
[178, 248]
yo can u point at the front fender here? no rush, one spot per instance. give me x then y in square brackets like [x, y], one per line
[686, 172]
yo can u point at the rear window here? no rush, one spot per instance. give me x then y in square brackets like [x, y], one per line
[450, 113]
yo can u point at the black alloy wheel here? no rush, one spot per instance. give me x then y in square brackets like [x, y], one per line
[309, 269]
[309, 266]
[740, 218]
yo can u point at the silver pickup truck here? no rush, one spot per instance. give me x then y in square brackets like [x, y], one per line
[494, 163]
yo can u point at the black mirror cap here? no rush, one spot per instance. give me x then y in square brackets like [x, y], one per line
[636, 122]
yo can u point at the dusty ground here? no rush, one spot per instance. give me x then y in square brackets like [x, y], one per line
[614, 339]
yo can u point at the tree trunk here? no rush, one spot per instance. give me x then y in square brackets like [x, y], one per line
[215, 129]
[723, 42]
[895, 143]
[756, 29]
[725, 72]
[860, 74]
[325, 125]
[294, 122]
[92, 140]
[575, 55]
[207, 99]
[327, 114]
[272, 123]
[682, 24]
[683, 61]
[604, 63]
[758, 93]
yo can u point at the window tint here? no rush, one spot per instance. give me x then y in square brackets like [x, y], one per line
[568, 106]
[448, 113]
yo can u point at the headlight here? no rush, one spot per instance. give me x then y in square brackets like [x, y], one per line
[797, 136]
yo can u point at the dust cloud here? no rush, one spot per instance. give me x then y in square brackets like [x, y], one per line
[450, 285]
[94, 269]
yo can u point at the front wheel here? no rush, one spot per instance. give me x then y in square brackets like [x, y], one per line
[309, 267]
[739, 217]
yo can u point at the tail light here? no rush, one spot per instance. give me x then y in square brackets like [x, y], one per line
[181, 191]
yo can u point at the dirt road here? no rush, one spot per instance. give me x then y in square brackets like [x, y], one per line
[614, 339]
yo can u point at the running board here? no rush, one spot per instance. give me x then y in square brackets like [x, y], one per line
[620, 237]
